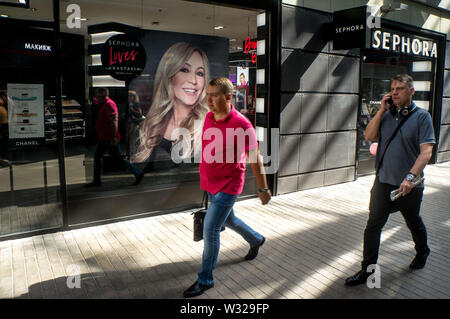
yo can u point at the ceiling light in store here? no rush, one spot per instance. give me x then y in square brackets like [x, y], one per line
[81, 19]
[106, 81]
[98, 38]
[232, 40]
[4, 15]
[96, 59]
[218, 27]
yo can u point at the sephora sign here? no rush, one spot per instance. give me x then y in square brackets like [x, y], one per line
[123, 57]
[402, 43]
[354, 29]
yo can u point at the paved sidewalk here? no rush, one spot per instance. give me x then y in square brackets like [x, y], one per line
[314, 241]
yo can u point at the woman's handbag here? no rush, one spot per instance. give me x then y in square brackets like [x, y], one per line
[199, 217]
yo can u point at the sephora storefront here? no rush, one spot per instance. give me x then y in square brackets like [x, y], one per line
[308, 80]
[335, 67]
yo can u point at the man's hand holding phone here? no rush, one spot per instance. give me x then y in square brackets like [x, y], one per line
[387, 102]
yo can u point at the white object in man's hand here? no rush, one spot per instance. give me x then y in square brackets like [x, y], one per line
[398, 192]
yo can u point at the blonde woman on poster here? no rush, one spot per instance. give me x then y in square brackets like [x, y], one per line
[179, 100]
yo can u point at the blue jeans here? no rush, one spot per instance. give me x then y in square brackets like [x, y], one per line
[220, 213]
[113, 150]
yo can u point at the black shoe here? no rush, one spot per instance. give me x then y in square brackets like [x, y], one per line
[420, 260]
[139, 178]
[196, 290]
[93, 184]
[253, 252]
[359, 278]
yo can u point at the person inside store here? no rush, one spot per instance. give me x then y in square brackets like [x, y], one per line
[178, 102]
[4, 128]
[107, 127]
[398, 164]
[240, 101]
[134, 121]
[222, 177]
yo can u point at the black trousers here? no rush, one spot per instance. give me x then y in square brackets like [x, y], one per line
[380, 208]
[113, 150]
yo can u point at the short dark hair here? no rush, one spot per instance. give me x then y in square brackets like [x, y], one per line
[102, 90]
[224, 84]
[405, 78]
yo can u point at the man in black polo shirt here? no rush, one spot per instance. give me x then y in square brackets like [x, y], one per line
[404, 159]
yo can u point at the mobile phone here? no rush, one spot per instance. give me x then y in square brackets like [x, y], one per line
[390, 101]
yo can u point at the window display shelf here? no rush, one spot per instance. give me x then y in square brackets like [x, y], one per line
[73, 120]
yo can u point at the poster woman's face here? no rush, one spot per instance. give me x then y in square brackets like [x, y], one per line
[188, 83]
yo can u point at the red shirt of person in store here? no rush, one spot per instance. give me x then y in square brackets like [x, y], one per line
[105, 121]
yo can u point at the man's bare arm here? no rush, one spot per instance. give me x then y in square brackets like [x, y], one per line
[426, 151]
[259, 173]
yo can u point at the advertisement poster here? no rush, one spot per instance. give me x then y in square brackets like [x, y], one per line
[171, 93]
[26, 115]
[123, 57]
[242, 76]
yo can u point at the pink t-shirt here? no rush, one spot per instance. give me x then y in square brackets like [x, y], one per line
[224, 146]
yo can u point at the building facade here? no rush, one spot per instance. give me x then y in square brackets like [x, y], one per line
[307, 88]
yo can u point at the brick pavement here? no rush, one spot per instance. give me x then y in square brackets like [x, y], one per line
[314, 241]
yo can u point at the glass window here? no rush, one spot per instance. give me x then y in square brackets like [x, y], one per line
[30, 194]
[155, 58]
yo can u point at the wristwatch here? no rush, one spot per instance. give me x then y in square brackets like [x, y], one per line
[263, 190]
[410, 177]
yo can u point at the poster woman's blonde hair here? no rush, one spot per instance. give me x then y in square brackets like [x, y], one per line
[162, 108]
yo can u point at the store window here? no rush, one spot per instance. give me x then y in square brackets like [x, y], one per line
[243, 76]
[30, 188]
[377, 70]
[155, 58]
[143, 55]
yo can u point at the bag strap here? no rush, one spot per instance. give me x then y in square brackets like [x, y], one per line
[205, 200]
[391, 138]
